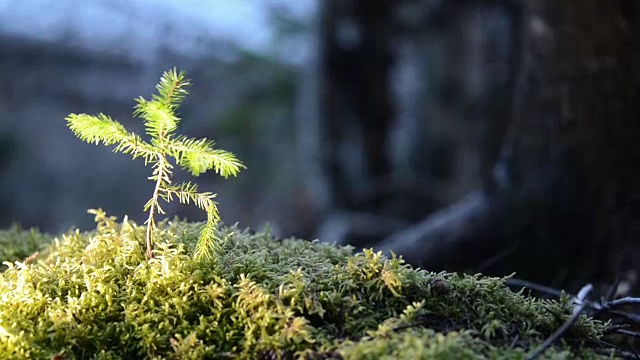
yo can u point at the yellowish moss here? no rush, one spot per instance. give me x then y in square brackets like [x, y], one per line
[95, 296]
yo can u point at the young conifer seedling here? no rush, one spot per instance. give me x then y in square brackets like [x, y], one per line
[195, 155]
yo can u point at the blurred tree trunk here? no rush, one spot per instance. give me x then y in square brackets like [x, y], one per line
[560, 202]
[355, 117]
[357, 106]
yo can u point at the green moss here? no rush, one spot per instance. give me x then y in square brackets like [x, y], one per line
[428, 344]
[94, 296]
[17, 244]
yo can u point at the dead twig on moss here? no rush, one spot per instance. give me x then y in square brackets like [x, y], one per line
[533, 286]
[628, 333]
[608, 306]
[584, 292]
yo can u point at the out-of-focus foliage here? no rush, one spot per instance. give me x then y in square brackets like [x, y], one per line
[264, 93]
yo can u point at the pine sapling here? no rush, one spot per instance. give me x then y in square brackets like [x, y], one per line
[195, 155]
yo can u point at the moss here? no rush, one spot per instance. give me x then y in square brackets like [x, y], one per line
[95, 296]
[17, 244]
[428, 344]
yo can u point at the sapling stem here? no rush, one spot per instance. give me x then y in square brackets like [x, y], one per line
[154, 200]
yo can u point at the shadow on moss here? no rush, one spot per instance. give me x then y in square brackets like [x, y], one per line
[17, 244]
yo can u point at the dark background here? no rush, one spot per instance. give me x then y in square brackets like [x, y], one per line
[492, 136]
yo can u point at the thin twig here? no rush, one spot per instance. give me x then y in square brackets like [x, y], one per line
[628, 332]
[621, 302]
[607, 344]
[514, 342]
[496, 258]
[631, 317]
[582, 294]
[534, 286]
[551, 291]
[619, 354]
[562, 329]
[613, 288]
[581, 302]
[580, 299]
[633, 349]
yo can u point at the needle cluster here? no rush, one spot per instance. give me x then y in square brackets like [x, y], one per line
[197, 156]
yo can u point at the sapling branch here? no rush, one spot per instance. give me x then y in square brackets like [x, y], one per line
[195, 155]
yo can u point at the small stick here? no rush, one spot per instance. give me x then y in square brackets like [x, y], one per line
[534, 286]
[562, 329]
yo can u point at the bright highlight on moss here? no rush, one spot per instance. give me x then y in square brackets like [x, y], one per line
[195, 155]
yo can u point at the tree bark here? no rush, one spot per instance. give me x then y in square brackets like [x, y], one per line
[562, 208]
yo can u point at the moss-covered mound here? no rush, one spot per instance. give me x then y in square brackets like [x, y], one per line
[95, 296]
